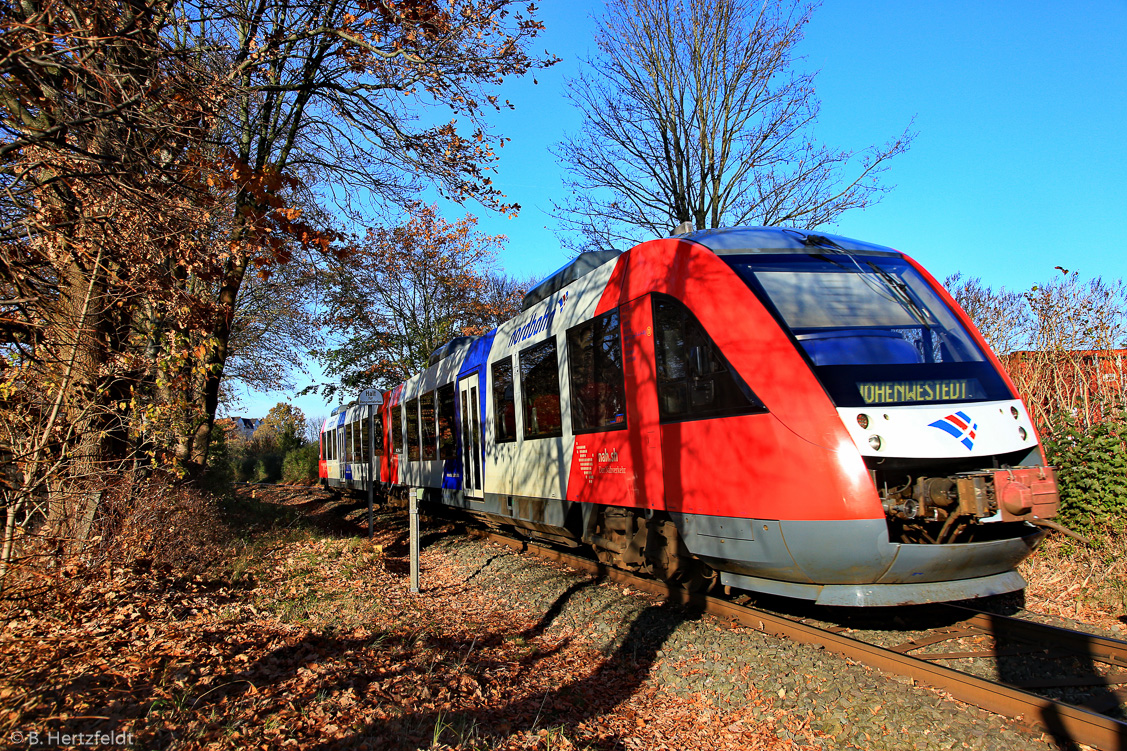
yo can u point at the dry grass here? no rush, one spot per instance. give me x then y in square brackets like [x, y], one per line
[1075, 581]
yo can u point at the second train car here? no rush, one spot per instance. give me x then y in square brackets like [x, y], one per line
[774, 410]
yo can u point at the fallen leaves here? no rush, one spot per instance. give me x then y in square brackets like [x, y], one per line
[329, 649]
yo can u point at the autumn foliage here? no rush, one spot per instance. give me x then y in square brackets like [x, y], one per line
[307, 637]
[405, 291]
[162, 157]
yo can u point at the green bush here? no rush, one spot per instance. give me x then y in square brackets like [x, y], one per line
[300, 464]
[268, 468]
[1091, 469]
[245, 470]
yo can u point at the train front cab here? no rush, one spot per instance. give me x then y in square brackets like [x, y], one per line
[799, 499]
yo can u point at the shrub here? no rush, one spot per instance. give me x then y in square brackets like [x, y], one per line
[222, 469]
[1091, 468]
[268, 468]
[300, 464]
[246, 469]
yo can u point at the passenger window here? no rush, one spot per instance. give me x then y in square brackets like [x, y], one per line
[379, 433]
[598, 388]
[694, 380]
[447, 448]
[504, 405]
[395, 435]
[413, 430]
[365, 436]
[430, 436]
[540, 391]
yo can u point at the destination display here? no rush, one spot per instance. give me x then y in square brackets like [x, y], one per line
[943, 390]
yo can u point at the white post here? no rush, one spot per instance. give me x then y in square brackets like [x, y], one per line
[413, 525]
[371, 466]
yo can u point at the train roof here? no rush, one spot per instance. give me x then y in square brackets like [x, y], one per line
[735, 240]
[457, 344]
[582, 265]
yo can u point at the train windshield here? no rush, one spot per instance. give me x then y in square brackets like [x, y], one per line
[874, 329]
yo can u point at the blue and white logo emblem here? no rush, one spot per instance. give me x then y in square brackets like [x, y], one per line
[960, 427]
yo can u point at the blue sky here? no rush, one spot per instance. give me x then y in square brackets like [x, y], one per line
[1019, 165]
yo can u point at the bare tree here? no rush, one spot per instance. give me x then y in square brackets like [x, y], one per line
[695, 114]
[1061, 342]
[1002, 315]
[273, 328]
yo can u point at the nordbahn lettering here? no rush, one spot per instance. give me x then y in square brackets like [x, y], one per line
[533, 327]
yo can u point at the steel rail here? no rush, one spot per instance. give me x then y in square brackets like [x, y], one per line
[1099, 648]
[1064, 722]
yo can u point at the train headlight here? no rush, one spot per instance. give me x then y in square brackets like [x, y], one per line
[863, 420]
[1021, 432]
[1014, 412]
[875, 442]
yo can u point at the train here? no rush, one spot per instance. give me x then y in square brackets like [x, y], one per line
[771, 410]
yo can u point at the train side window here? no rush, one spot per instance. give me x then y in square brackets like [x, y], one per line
[447, 449]
[540, 390]
[504, 405]
[365, 435]
[378, 421]
[429, 427]
[413, 430]
[694, 380]
[395, 434]
[598, 386]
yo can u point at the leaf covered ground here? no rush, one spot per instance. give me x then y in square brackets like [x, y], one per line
[303, 634]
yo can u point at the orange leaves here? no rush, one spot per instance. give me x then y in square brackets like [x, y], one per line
[269, 224]
[406, 290]
[263, 184]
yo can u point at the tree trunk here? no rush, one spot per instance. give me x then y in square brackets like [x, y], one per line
[198, 441]
[80, 324]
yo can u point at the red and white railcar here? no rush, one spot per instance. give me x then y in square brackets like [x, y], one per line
[769, 409]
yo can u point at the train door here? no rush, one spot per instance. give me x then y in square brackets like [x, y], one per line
[469, 434]
[344, 471]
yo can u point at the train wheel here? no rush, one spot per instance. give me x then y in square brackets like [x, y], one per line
[606, 557]
[695, 576]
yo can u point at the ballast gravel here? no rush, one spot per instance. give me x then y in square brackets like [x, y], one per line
[848, 706]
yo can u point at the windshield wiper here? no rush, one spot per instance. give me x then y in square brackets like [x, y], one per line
[903, 294]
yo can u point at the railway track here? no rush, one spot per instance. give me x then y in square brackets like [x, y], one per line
[1062, 682]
